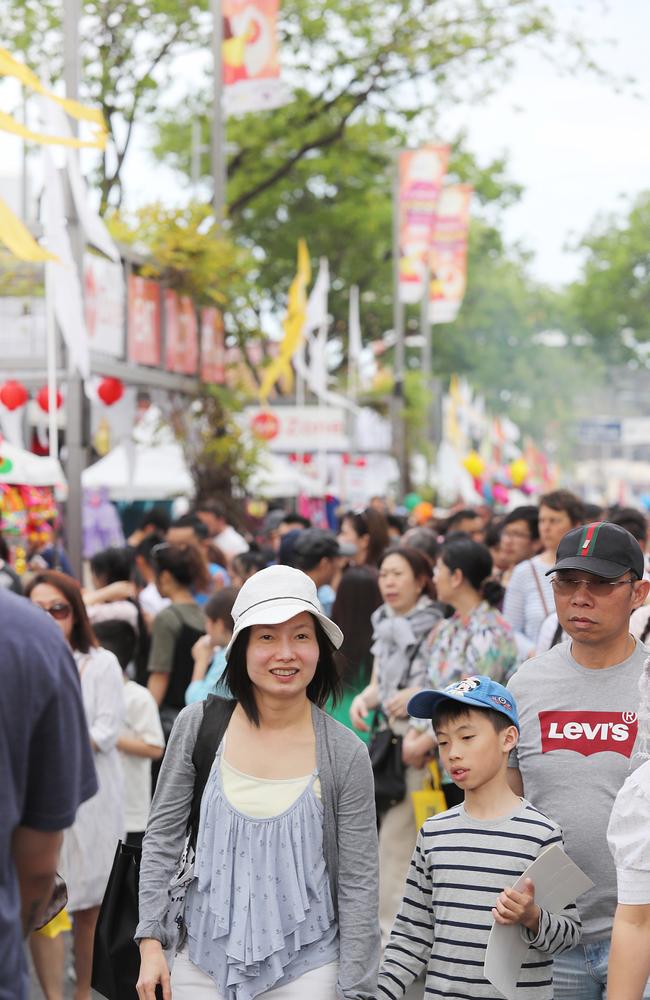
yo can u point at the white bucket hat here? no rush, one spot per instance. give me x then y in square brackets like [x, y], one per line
[275, 595]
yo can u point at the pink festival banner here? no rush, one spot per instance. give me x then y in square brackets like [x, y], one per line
[251, 68]
[421, 173]
[448, 257]
[213, 352]
[181, 334]
[143, 321]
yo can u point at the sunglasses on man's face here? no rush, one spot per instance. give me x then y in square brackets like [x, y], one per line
[60, 610]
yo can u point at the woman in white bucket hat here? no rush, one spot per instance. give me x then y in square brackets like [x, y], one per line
[283, 896]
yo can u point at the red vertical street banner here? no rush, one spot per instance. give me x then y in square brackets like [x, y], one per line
[143, 321]
[251, 68]
[213, 352]
[181, 334]
[448, 258]
[421, 173]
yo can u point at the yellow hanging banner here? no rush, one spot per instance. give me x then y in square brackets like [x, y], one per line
[293, 325]
[9, 124]
[11, 67]
[18, 239]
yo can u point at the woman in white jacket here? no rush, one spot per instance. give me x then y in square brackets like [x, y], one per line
[89, 845]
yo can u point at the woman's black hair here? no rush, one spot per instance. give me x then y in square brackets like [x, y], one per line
[475, 563]
[357, 596]
[420, 564]
[370, 522]
[185, 563]
[325, 684]
[565, 501]
[112, 565]
[248, 563]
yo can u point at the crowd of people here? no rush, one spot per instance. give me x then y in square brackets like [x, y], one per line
[507, 650]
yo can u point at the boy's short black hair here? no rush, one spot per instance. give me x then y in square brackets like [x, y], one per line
[325, 684]
[450, 711]
[119, 637]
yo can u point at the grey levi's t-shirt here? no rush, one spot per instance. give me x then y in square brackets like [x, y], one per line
[576, 748]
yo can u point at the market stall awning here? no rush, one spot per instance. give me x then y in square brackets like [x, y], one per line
[22, 468]
[141, 472]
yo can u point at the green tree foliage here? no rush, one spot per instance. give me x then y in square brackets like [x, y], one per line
[610, 303]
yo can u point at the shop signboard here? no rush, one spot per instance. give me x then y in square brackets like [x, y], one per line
[143, 325]
[104, 305]
[290, 429]
[181, 334]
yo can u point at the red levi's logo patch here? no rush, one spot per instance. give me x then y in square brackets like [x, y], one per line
[587, 733]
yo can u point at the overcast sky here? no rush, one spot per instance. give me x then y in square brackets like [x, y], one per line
[578, 147]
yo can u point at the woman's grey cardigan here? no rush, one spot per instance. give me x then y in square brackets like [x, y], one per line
[349, 842]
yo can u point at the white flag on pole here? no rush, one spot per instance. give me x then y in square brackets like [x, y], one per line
[66, 287]
[354, 327]
[91, 222]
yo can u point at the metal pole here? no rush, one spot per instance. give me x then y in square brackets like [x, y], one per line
[24, 208]
[196, 153]
[50, 335]
[218, 139]
[397, 401]
[76, 462]
[427, 362]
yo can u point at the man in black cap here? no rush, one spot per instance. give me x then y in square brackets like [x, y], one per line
[319, 554]
[578, 707]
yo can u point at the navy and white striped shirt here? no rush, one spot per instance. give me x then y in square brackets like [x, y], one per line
[459, 867]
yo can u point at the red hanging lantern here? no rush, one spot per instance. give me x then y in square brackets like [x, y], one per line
[110, 390]
[13, 395]
[43, 399]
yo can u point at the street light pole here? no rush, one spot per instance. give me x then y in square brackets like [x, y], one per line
[218, 138]
[75, 404]
[397, 400]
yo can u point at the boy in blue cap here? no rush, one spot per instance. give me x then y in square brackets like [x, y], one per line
[466, 860]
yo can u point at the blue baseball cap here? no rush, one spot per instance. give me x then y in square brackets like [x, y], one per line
[475, 692]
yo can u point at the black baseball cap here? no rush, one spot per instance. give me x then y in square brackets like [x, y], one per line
[602, 548]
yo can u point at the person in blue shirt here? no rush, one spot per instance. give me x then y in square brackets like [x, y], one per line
[208, 652]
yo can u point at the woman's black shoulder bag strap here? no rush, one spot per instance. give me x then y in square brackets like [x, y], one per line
[216, 716]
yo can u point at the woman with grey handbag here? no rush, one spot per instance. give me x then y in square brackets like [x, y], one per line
[400, 625]
[283, 895]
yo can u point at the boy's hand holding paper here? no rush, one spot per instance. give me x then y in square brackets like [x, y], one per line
[514, 907]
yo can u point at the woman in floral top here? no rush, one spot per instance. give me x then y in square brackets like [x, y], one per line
[475, 640]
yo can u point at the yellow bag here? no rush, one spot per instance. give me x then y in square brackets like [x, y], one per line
[57, 925]
[430, 799]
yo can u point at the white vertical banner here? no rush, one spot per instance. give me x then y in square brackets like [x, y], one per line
[68, 301]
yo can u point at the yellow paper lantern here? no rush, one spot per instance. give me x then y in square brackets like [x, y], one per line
[518, 471]
[474, 464]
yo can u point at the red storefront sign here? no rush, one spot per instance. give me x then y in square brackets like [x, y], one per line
[143, 321]
[213, 353]
[181, 334]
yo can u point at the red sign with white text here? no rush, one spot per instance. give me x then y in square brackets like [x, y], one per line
[143, 321]
[213, 353]
[588, 733]
[181, 334]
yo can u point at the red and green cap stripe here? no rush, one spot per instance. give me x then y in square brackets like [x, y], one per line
[589, 538]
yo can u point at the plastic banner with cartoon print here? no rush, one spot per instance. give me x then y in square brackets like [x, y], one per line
[251, 68]
[421, 173]
[448, 257]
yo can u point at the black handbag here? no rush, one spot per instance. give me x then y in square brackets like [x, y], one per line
[385, 750]
[116, 956]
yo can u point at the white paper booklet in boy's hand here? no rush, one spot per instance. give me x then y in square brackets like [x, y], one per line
[558, 882]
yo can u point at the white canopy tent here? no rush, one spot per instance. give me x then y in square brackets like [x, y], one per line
[22, 468]
[141, 472]
[278, 477]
